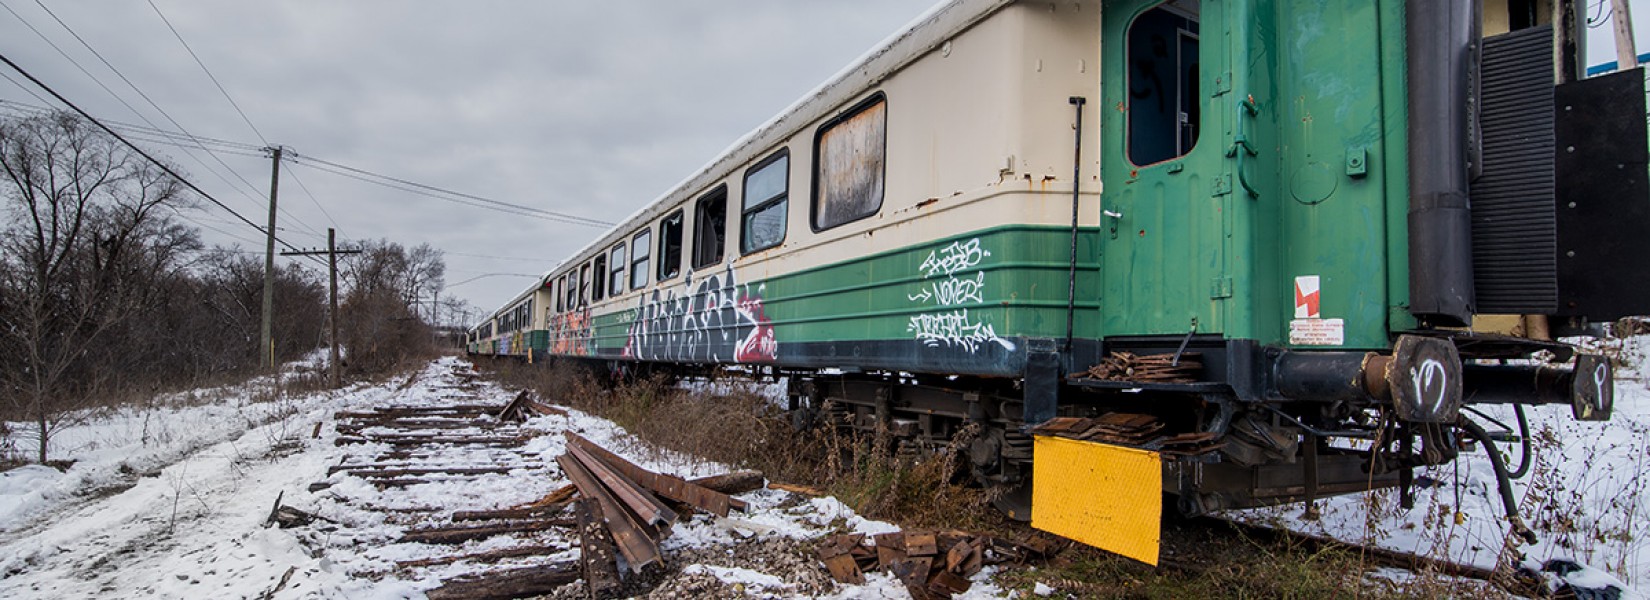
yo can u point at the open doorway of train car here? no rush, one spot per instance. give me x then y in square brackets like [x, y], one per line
[1162, 226]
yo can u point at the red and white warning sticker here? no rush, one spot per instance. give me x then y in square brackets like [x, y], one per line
[1306, 297]
[1309, 328]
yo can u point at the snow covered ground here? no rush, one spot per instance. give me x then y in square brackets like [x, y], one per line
[1587, 496]
[170, 502]
[180, 513]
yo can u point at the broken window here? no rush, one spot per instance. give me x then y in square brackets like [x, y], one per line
[766, 190]
[670, 246]
[584, 284]
[849, 165]
[710, 221]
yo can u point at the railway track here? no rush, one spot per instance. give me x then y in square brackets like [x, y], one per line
[435, 462]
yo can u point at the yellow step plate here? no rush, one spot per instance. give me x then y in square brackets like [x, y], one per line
[1106, 496]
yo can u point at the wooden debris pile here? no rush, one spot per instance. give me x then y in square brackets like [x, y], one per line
[524, 407]
[1130, 429]
[1149, 368]
[931, 564]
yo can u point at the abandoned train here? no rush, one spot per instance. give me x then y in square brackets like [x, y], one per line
[1310, 221]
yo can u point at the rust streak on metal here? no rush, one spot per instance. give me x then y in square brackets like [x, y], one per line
[633, 538]
[649, 508]
[669, 486]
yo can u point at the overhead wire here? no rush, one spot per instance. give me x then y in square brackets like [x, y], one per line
[156, 106]
[163, 166]
[119, 99]
[450, 195]
[209, 74]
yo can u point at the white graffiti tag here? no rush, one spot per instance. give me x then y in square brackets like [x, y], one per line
[945, 289]
[953, 258]
[954, 329]
[1431, 371]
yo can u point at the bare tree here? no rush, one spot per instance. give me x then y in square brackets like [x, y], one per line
[382, 325]
[89, 229]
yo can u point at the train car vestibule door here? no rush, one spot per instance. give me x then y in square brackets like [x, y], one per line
[1161, 225]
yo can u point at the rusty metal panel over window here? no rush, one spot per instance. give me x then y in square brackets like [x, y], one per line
[849, 165]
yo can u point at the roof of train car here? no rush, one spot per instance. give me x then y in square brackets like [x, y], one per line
[921, 36]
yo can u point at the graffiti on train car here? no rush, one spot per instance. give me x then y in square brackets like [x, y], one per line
[952, 327]
[721, 320]
[570, 332]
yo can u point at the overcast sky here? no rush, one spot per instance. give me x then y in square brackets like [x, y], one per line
[586, 108]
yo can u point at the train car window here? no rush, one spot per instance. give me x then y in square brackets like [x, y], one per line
[572, 289]
[560, 292]
[710, 225]
[641, 248]
[584, 284]
[598, 283]
[849, 165]
[766, 190]
[670, 246]
[616, 265]
[1163, 83]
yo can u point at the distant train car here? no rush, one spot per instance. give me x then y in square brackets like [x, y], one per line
[1211, 239]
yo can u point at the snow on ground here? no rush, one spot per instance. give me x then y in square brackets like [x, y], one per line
[171, 502]
[1587, 496]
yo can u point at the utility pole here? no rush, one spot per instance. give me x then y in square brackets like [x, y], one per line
[1627, 56]
[266, 347]
[332, 253]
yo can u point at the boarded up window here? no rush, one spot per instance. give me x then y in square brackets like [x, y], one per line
[849, 166]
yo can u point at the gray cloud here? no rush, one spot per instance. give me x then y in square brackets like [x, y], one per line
[589, 108]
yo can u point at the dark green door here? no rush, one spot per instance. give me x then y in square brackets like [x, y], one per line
[1166, 176]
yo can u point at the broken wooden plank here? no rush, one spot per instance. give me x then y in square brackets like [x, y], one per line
[404, 472]
[509, 513]
[514, 583]
[796, 489]
[459, 535]
[385, 466]
[597, 554]
[431, 440]
[669, 486]
[483, 557]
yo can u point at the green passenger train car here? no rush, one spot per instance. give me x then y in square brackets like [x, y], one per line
[1303, 219]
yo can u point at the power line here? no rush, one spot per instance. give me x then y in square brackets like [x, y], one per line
[486, 275]
[163, 166]
[157, 107]
[312, 199]
[537, 260]
[517, 208]
[209, 74]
